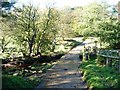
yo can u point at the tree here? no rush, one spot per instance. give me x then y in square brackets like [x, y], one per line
[89, 19]
[109, 33]
[50, 29]
[26, 28]
[36, 32]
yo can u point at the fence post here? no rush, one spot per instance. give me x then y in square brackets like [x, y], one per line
[110, 62]
[119, 66]
[119, 60]
[107, 62]
[84, 54]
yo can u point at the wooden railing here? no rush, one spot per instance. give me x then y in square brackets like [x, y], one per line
[110, 56]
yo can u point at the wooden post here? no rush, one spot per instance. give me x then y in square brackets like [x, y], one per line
[107, 59]
[119, 66]
[119, 11]
[84, 53]
[107, 62]
[119, 61]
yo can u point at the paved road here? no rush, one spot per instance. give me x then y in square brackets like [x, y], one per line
[66, 74]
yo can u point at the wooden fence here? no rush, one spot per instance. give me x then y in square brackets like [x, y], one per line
[110, 56]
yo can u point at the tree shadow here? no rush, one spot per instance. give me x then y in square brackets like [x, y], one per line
[64, 75]
[73, 43]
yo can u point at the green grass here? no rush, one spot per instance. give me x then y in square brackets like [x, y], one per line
[98, 76]
[17, 82]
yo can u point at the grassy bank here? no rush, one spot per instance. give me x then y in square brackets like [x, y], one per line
[97, 76]
[17, 82]
[26, 78]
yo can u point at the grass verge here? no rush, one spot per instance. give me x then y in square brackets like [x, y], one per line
[97, 76]
[24, 78]
[17, 82]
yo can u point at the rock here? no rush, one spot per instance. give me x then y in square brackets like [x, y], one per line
[40, 71]
[34, 71]
[15, 74]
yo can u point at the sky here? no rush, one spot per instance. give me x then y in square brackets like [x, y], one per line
[62, 3]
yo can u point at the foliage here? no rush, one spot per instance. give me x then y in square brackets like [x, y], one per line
[26, 72]
[26, 28]
[6, 36]
[35, 32]
[66, 23]
[49, 29]
[89, 18]
[16, 82]
[96, 20]
[24, 78]
[3, 44]
[109, 33]
[98, 76]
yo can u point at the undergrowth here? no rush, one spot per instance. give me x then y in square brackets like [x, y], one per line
[97, 76]
[17, 82]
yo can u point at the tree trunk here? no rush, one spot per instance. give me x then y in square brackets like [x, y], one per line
[30, 48]
[38, 47]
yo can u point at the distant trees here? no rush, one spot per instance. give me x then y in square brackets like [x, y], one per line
[89, 19]
[5, 23]
[97, 21]
[34, 30]
[66, 22]
[5, 32]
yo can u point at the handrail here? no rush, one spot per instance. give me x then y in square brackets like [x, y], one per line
[109, 53]
[114, 54]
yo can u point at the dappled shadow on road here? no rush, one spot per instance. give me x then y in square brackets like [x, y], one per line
[66, 74]
[65, 78]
